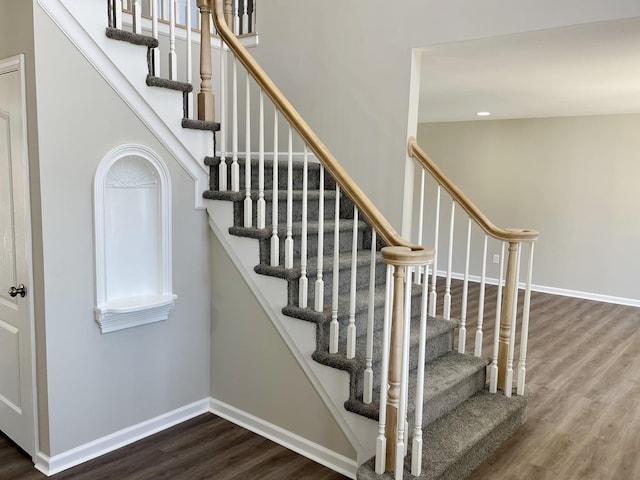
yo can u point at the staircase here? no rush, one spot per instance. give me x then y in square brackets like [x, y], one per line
[462, 422]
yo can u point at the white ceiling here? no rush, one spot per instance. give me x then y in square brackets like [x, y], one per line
[578, 70]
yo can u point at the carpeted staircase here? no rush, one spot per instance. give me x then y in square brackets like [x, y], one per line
[463, 423]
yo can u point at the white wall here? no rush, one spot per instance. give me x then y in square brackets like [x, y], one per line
[99, 384]
[346, 66]
[574, 179]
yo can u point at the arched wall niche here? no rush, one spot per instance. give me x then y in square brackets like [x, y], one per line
[132, 222]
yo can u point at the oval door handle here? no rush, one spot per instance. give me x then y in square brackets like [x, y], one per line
[19, 290]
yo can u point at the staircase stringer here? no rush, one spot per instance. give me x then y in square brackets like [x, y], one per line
[123, 67]
[332, 385]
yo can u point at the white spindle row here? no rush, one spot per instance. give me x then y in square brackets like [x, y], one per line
[304, 281]
[275, 241]
[351, 329]
[319, 287]
[334, 328]
[367, 396]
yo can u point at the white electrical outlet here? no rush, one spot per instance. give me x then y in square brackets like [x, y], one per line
[496, 258]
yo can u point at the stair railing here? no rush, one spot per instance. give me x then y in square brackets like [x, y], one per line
[250, 87]
[184, 23]
[501, 369]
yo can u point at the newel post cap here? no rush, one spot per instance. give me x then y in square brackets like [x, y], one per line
[408, 256]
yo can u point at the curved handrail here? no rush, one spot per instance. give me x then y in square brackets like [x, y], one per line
[365, 206]
[508, 235]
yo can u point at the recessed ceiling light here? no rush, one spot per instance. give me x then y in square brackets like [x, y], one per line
[483, 114]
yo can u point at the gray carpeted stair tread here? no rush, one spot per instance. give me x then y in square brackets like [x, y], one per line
[346, 225]
[436, 327]
[456, 443]
[296, 195]
[446, 384]
[344, 264]
[344, 303]
[200, 124]
[268, 163]
[130, 37]
[170, 84]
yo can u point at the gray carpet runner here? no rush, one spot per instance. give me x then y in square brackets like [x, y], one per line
[463, 423]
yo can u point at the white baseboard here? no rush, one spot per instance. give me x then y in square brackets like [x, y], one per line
[598, 297]
[83, 453]
[318, 453]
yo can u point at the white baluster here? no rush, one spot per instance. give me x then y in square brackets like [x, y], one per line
[416, 446]
[508, 383]
[155, 13]
[275, 241]
[189, 76]
[462, 331]
[483, 277]
[248, 211]
[288, 242]
[381, 440]
[137, 17]
[447, 287]
[493, 368]
[334, 328]
[236, 18]
[351, 329]
[117, 13]
[401, 445]
[262, 206]
[222, 169]
[235, 166]
[173, 58]
[433, 296]
[319, 287]
[368, 370]
[422, 271]
[304, 281]
[524, 336]
[245, 17]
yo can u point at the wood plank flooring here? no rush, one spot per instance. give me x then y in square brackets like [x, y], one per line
[206, 447]
[583, 421]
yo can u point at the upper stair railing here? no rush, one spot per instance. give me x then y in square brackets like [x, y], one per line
[501, 370]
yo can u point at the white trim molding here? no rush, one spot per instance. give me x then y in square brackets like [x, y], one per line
[318, 453]
[597, 297]
[109, 443]
[132, 223]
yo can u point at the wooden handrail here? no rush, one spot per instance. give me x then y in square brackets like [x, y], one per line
[365, 206]
[507, 235]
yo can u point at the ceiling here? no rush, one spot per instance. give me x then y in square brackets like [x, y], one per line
[588, 69]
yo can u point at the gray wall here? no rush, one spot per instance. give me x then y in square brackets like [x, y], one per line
[574, 179]
[253, 369]
[99, 384]
[346, 66]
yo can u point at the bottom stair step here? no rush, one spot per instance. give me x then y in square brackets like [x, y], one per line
[455, 444]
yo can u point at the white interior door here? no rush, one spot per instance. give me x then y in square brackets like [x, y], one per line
[16, 335]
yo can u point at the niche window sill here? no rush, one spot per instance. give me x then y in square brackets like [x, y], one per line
[133, 311]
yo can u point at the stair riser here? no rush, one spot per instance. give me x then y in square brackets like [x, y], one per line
[436, 347]
[313, 177]
[346, 238]
[344, 281]
[313, 208]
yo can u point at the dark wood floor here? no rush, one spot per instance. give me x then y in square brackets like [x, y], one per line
[583, 419]
[206, 447]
